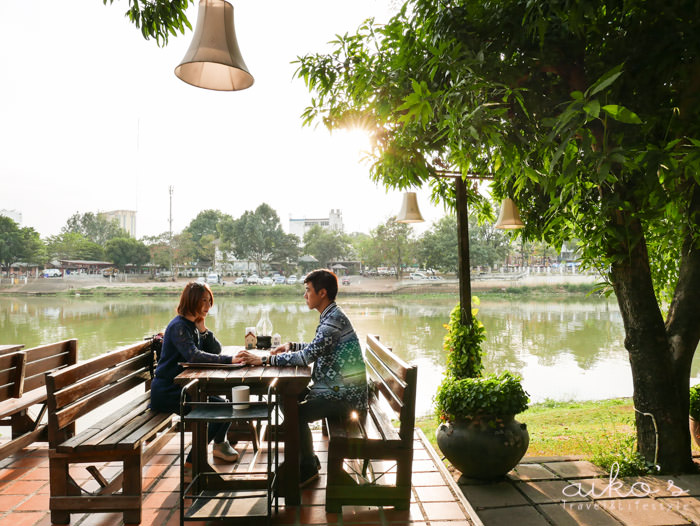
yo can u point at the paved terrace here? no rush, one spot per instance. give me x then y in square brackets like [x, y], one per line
[558, 491]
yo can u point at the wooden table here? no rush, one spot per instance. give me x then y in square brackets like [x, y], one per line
[291, 381]
[4, 349]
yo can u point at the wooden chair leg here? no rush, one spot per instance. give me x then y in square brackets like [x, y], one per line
[132, 486]
[59, 484]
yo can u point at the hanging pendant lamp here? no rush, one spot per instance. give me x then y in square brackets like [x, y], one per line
[409, 210]
[509, 218]
[213, 60]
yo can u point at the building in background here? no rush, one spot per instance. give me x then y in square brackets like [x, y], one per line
[126, 219]
[15, 215]
[299, 227]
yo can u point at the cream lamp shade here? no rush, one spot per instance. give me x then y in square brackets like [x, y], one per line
[409, 210]
[213, 60]
[509, 218]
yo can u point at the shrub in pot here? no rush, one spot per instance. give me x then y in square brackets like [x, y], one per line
[694, 413]
[478, 433]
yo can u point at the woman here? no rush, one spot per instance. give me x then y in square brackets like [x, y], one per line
[187, 339]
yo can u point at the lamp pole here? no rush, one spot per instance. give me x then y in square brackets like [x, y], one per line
[463, 265]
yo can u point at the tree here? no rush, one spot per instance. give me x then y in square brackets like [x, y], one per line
[256, 236]
[158, 18]
[159, 248]
[365, 248]
[72, 245]
[587, 114]
[394, 243]
[123, 251]
[326, 245]
[487, 245]
[18, 244]
[94, 227]
[204, 230]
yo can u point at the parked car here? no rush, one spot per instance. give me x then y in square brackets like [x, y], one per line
[417, 275]
[279, 280]
[213, 279]
[110, 271]
[267, 280]
[345, 280]
[51, 273]
[239, 281]
[291, 280]
[252, 280]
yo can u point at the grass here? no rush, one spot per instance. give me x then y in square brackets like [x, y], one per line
[600, 431]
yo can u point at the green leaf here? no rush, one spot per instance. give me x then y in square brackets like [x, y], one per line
[592, 108]
[622, 114]
[605, 81]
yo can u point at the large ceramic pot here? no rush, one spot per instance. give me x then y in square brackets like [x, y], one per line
[486, 448]
[695, 430]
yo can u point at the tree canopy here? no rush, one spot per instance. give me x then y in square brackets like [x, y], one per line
[586, 114]
[326, 245]
[94, 227]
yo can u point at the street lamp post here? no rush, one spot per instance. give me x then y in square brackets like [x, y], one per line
[508, 218]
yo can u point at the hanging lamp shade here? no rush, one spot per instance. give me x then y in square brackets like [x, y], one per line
[409, 210]
[213, 60]
[509, 218]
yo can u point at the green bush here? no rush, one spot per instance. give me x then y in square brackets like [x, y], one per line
[465, 398]
[694, 410]
[463, 345]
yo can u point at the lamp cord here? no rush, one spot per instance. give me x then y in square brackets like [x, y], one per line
[656, 433]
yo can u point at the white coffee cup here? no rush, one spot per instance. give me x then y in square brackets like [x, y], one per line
[240, 393]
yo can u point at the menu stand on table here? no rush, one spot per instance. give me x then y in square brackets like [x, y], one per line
[243, 495]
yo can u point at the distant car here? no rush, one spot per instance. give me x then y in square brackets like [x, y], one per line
[291, 280]
[239, 281]
[279, 280]
[417, 276]
[111, 271]
[51, 273]
[267, 280]
[252, 280]
[213, 279]
[345, 280]
[435, 278]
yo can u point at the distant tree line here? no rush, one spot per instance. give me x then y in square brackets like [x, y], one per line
[257, 236]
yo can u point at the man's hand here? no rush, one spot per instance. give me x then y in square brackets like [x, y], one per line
[247, 357]
[280, 349]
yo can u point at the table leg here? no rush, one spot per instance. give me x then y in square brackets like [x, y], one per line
[292, 495]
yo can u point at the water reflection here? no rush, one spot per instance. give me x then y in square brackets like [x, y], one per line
[563, 349]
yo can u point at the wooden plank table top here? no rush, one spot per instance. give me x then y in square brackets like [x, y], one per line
[8, 348]
[291, 381]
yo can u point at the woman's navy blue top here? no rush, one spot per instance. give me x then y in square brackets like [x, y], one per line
[182, 342]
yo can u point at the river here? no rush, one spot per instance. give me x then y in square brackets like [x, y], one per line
[564, 348]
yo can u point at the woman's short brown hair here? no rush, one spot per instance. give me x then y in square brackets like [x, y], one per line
[191, 297]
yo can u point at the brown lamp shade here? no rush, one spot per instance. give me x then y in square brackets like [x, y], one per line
[213, 60]
[409, 210]
[509, 218]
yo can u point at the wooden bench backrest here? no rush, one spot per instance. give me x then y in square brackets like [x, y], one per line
[82, 388]
[23, 371]
[395, 380]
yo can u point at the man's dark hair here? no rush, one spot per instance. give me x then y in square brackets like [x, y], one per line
[323, 278]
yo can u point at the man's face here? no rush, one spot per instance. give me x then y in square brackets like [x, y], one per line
[313, 298]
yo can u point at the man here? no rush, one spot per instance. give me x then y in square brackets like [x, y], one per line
[339, 377]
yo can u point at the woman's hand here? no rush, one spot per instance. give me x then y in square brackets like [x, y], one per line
[280, 349]
[199, 323]
[247, 357]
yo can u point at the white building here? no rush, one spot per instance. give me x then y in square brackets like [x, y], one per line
[126, 219]
[299, 227]
[15, 215]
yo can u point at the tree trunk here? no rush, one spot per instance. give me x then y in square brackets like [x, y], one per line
[660, 384]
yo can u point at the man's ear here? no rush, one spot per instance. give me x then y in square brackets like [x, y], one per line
[323, 293]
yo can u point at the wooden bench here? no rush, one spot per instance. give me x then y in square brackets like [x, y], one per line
[23, 385]
[132, 434]
[370, 460]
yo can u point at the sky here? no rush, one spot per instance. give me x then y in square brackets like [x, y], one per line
[92, 118]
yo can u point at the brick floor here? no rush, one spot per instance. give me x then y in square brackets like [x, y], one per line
[436, 498]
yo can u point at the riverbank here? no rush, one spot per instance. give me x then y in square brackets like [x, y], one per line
[96, 285]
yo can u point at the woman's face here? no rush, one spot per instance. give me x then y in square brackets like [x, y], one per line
[205, 304]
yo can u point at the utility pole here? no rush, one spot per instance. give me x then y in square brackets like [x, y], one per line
[170, 234]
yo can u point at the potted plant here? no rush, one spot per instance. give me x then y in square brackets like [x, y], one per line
[478, 432]
[694, 413]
